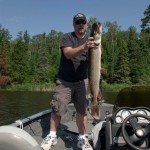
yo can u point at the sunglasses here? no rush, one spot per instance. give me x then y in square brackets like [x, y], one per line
[81, 22]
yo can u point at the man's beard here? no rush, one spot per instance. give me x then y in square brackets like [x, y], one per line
[81, 31]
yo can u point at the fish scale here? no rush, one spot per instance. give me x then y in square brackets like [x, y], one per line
[94, 67]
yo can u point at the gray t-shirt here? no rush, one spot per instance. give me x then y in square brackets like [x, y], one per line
[75, 69]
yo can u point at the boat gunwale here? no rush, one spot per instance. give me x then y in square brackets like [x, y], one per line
[31, 118]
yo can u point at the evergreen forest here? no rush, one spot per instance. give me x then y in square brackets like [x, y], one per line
[34, 60]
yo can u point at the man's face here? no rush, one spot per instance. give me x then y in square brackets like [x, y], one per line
[80, 26]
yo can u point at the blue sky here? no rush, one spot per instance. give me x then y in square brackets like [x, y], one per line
[38, 16]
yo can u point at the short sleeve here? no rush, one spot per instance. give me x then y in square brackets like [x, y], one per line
[66, 41]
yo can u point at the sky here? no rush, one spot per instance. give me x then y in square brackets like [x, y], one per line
[38, 16]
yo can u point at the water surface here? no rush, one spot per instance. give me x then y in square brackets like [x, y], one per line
[19, 104]
[15, 105]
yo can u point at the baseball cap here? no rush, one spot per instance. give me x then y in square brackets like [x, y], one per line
[79, 16]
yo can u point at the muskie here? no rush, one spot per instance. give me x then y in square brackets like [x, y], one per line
[95, 66]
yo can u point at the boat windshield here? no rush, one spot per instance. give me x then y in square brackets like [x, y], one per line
[134, 96]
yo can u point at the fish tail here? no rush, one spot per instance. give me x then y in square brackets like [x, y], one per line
[95, 108]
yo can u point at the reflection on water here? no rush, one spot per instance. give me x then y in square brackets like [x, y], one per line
[19, 104]
[134, 96]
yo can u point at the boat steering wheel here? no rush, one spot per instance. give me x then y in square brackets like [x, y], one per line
[139, 138]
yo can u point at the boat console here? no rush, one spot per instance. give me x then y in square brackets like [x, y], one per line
[128, 128]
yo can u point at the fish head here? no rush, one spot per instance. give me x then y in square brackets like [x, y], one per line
[96, 32]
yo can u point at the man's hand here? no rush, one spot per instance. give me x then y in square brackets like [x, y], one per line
[89, 43]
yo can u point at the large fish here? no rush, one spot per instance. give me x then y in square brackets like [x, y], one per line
[94, 66]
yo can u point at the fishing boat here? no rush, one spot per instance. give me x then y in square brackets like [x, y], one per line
[124, 125]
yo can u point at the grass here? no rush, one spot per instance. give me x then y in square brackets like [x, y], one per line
[30, 87]
[113, 87]
[50, 86]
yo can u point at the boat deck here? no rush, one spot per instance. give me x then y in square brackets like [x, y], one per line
[67, 130]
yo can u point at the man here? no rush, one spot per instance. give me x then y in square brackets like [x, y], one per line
[72, 82]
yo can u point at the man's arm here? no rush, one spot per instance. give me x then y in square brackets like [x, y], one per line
[70, 52]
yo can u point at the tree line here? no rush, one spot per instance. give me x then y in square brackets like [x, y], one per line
[35, 60]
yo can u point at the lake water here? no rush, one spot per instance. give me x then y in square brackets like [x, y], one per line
[20, 104]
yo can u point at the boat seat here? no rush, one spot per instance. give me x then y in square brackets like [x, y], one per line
[13, 138]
